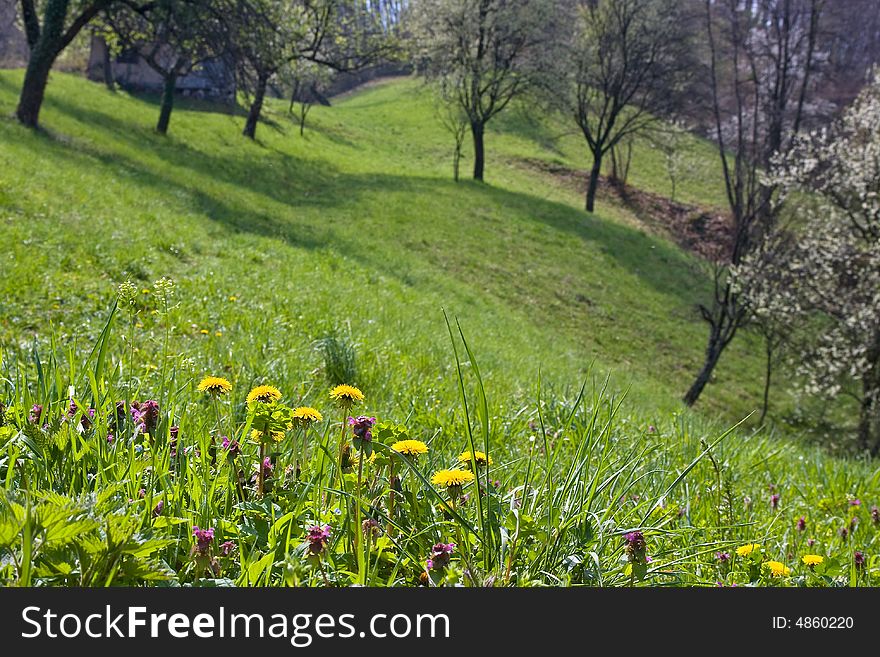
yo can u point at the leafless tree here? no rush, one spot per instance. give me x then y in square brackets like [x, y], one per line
[762, 58]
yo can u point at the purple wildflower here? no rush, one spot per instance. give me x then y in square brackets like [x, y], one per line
[232, 447]
[35, 414]
[856, 502]
[318, 538]
[360, 427]
[774, 501]
[844, 533]
[635, 546]
[875, 515]
[226, 547]
[110, 438]
[204, 538]
[145, 416]
[440, 555]
[723, 557]
[811, 542]
[801, 525]
[157, 510]
[859, 559]
[370, 527]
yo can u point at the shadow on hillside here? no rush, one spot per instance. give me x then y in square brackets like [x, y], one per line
[183, 170]
[523, 123]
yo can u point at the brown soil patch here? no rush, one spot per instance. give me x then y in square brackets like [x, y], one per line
[706, 232]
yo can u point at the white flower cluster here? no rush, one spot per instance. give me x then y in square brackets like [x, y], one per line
[817, 278]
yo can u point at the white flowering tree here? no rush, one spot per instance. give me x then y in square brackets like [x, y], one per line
[818, 278]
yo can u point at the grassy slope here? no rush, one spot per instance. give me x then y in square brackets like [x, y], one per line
[357, 227]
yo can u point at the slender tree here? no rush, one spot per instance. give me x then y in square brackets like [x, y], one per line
[484, 53]
[50, 26]
[269, 35]
[174, 38]
[762, 58]
[629, 63]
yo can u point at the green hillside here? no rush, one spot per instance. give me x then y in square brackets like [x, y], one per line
[357, 228]
[306, 262]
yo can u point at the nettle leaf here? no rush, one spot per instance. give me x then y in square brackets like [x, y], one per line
[145, 570]
[168, 521]
[92, 544]
[10, 529]
[49, 569]
[147, 547]
[120, 529]
[66, 532]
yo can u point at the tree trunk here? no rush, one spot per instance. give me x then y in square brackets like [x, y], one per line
[32, 91]
[303, 114]
[108, 69]
[869, 416]
[42, 56]
[167, 103]
[768, 372]
[478, 130]
[868, 435]
[594, 181]
[250, 126]
[713, 354]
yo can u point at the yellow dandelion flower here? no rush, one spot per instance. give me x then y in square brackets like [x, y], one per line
[204, 331]
[482, 459]
[812, 559]
[452, 478]
[777, 569]
[410, 447]
[305, 415]
[346, 395]
[747, 549]
[265, 394]
[215, 385]
[257, 436]
[218, 334]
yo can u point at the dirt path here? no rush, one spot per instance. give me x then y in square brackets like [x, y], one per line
[703, 231]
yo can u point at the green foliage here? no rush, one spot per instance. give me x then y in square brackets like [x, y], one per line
[357, 225]
[340, 359]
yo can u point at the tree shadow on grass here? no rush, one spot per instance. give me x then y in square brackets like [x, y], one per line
[296, 182]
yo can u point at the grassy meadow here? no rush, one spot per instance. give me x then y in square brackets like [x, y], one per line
[337, 258]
